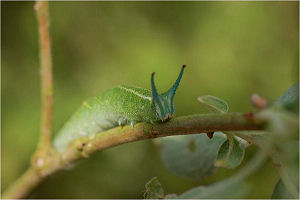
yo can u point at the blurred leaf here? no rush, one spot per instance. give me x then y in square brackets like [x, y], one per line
[230, 154]
[214, 103]
[290, 99]
[287, 142]
[191, 156]
[280, 191]
[154, 189]
[232, 187]
[284, 133]
[284, 127]
[171, 196]
[281, 123]
[224, 189]
[289, 159]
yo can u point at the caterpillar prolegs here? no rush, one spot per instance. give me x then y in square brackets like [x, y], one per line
[118, 106]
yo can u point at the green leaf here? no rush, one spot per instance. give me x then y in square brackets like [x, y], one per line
[280, 191]
[191, 156]
[214, 103]
[154, 189]
[290, 99]
[230, 154]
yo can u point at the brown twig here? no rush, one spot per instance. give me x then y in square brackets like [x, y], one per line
[41, 8]
[83, 147]
[44, 152]
[23, 186]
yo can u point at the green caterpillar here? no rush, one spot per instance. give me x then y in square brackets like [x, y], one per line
[116, 107]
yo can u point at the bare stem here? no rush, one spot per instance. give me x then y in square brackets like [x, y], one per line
[41, 8]
[83, 147]
[44, 153]
[23, 185]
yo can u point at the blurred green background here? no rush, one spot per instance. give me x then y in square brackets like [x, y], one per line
[232, 50]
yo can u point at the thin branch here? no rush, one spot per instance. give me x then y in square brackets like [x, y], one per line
[192, 124]
[23, 185]
[41, 8]
[44, 153]
[85, 146]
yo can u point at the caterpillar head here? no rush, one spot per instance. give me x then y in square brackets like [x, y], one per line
[163, 104]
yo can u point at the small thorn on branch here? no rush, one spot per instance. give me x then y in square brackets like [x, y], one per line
[210, 135]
